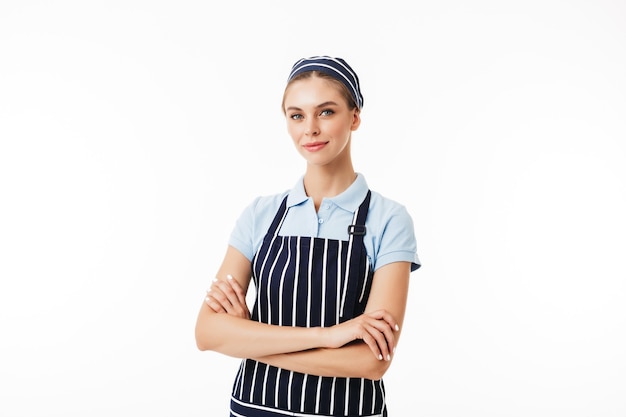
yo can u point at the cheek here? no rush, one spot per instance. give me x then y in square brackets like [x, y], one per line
[339, 130]
[293, 130]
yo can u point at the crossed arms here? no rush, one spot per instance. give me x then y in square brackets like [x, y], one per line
[360, 347]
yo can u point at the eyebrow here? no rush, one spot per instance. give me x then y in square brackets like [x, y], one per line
[324, 104]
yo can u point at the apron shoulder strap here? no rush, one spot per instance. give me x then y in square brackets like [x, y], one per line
[278, 219]
[357, 229]
[357, 257]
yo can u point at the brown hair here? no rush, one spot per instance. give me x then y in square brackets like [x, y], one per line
[338, 84]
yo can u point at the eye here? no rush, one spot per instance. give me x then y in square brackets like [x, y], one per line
[327, 112]
[295, 116]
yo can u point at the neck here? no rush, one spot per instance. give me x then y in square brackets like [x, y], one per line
[321, 182]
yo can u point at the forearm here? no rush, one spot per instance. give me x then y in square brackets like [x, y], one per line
[354, 360]
[242, 338]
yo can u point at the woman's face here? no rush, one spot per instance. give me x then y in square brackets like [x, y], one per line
[319, 121]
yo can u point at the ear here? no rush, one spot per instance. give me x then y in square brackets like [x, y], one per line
[356, 120]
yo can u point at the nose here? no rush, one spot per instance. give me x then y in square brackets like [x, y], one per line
[312, 129]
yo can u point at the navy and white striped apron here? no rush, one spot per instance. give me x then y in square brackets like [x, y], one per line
[308, 282]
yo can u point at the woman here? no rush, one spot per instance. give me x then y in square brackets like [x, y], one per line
[330, 261]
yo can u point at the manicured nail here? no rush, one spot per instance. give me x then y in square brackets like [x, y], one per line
[214, 279]
[206, 299]
[394, 349]
[397, 327]
[229, 276]
[388, 357]
[380, 357]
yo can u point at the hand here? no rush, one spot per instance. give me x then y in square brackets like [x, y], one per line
[376, 329]
[227, 297]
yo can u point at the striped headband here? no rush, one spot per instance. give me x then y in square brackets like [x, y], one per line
[336, 68]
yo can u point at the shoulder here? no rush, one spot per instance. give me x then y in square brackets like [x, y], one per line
[392, 232]
[264, 206]
[385, 209]
[253, 222]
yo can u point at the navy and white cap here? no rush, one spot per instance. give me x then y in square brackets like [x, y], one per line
[336, 68]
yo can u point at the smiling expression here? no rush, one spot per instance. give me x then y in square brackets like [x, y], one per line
[319, 120]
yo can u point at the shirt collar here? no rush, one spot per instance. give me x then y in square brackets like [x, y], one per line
[297, 194]
[349, 200]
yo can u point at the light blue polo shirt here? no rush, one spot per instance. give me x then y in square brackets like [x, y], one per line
[390, 236]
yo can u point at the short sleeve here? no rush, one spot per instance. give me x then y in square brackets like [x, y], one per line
[397, 240]
[242, 235]
[253, 223]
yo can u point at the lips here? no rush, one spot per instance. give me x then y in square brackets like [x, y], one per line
[314, 146]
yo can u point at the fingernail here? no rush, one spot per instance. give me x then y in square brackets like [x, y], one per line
[397, 327]
[394, 349]
[388, 357]
[206, 299]
[380, 357]
[229, 276]
[214, 279]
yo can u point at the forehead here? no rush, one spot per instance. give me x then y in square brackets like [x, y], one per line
[312, 89]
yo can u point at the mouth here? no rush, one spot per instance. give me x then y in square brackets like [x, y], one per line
[314, 146]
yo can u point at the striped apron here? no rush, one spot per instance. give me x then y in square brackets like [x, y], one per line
[308, 282]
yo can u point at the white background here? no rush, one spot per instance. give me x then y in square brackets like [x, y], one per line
[132, 134]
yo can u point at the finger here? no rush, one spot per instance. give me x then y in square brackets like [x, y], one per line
[381, 334]
[373, 345]
[371, 330]
[232, 303]
[387, 333]
[381, 341]
[218, 296]
[213, 305]
[387, 317]
[237, 288]
[391, 321]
